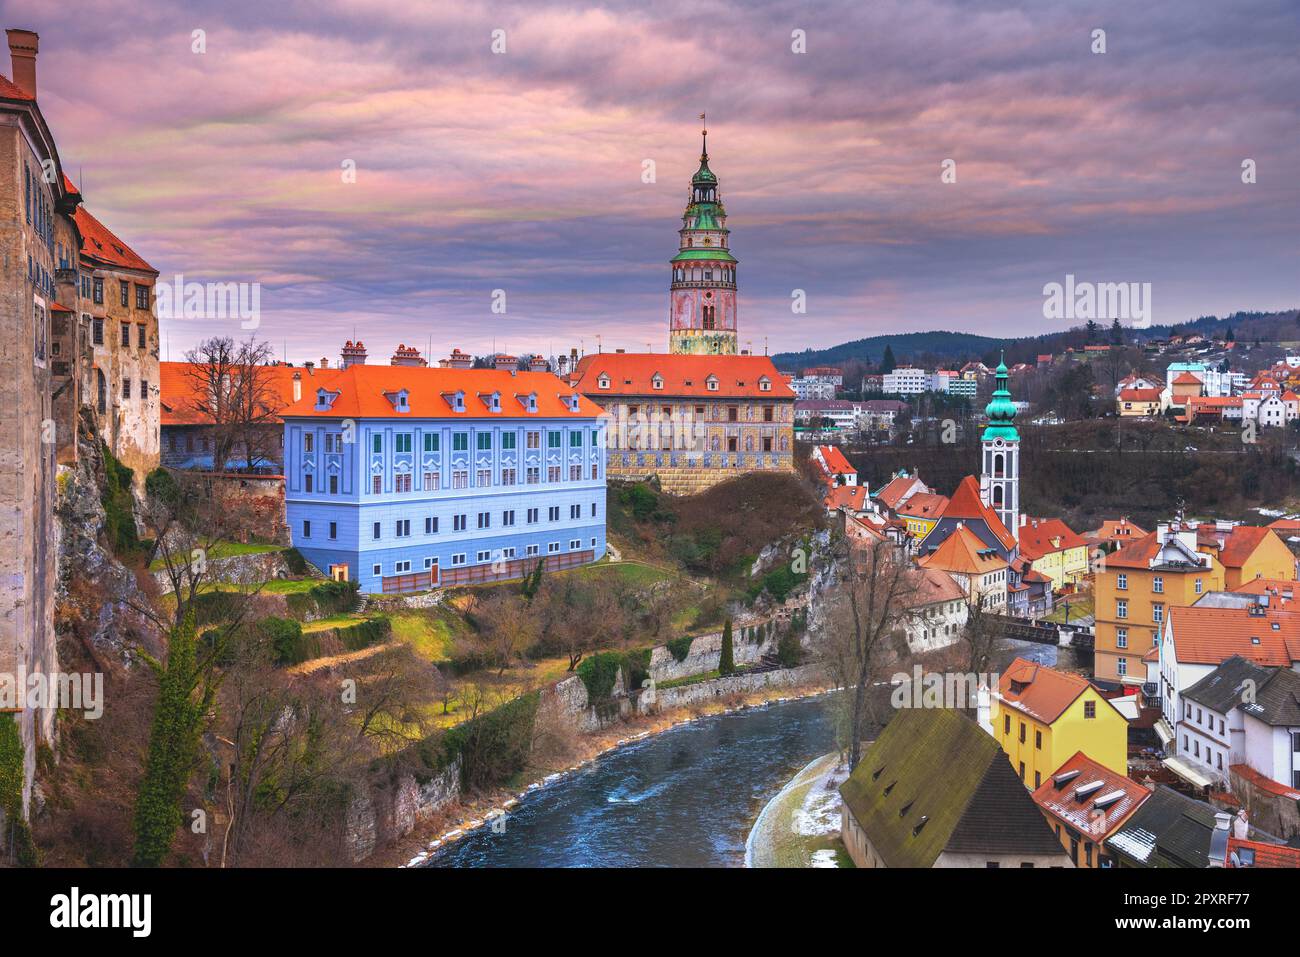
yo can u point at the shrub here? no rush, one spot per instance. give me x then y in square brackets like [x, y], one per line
[285, 639]
[599, 672]
[363, 634]
[119, 517]
[680, 647]
[211, 607]
[11, 792]
[294, 561]
[492, 747]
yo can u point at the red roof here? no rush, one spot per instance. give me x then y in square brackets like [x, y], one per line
[1265, 783]
[895, 489]
[1121, 530]
[1209, 636]
[181, 393]
[1285, 525]
[11, 91]
[924, 505]
[1262, 854]
[930, 585]
[632, 373]
[1140, 395]
[966, 504]
[364, 389]
[834, 460]
[853, 496]
[100, 244]
[1042, 536]
[1187, 378]
[1098, 810]
[1235, 548]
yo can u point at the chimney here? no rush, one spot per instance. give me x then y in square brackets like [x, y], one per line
[354, 354]
[1218, 853]
[297, 386]
[324, 363]
[23, 45]
[310, 367]
[504, 362]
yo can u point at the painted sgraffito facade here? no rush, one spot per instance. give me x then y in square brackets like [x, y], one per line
[407, 478]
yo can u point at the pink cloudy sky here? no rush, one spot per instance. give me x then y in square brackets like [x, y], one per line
[522, 171]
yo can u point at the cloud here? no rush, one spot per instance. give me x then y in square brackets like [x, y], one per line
[522, 171]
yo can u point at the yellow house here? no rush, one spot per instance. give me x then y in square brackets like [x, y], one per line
[1054, 550]
[1247, 552]
[1138, 402]
[1042, 716]
[1134, 589]
[921, 512]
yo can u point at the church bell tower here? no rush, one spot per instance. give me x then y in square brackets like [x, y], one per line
[1000, 448]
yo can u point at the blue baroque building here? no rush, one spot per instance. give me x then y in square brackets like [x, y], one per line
[408, 478]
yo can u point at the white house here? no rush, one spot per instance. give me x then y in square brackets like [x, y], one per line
[1241, 713]
[1199, 638]
[937, 611]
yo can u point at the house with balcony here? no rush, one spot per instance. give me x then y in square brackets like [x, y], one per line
[408, 478]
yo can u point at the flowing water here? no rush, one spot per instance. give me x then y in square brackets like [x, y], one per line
[683, 798]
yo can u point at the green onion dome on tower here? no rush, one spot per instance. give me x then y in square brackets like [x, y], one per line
[1001, 410]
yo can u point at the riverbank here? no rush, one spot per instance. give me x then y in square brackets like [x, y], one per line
[800, 827]
[466, 816]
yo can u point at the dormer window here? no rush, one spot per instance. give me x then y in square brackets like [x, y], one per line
[492, 400]
[764, 384]
[603, 381]
[571, 401]
[657, 381]
[325, 399]
[456, 400]
[711, 383]
[528, 401]
[399, 400]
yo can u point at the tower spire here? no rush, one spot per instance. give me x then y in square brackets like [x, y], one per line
[704, 134]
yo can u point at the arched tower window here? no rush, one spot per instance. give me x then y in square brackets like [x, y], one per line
[998, 466]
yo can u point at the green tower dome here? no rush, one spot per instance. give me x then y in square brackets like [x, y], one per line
[1001, 410]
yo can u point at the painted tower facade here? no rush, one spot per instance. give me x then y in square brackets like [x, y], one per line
[1000, 471]
[702, 310]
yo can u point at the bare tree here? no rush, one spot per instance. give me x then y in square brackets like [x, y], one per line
[875, 594]
[979, 637]
[508, 627]
[232, 389]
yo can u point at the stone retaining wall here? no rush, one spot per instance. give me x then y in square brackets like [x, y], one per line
[702, 691]
[251, 569]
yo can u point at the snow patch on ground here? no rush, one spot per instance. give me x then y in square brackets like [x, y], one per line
[823, 858]
[820, 811]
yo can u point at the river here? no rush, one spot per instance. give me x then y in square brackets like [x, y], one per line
[683, 798]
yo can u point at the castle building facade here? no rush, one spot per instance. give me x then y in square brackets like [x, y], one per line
[407, 478]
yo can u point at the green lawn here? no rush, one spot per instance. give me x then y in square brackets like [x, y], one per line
[1080, 605]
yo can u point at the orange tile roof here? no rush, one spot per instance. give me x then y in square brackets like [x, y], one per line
[1241, 543]
[12, 91]
[99, 243]
[967, 504]
[1038, 691]
[924, 505]
[1139, 395]
[1264, 854]
[362, 391]
[1285, 525]
[181, 393]
[1113, 529]
[1042, 536]
[834, 459]
[930, 585]
[1119, 795]
[1210, 636]
[1136, 554]
[963, 552]
[853, 496]
[632, 373]
[1282, 587]
[1187, 378]
[895, 489]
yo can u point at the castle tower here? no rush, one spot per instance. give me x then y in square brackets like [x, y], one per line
[702, 308]
[1000, 447]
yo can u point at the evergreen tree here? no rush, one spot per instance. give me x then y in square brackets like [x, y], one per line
[887, 362]
[726, 661]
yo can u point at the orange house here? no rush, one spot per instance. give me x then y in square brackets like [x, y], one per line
[1246, 552]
